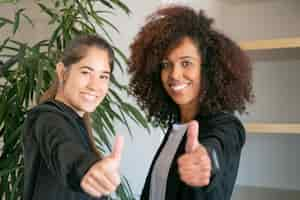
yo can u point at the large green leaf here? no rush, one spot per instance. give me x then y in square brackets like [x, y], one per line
[48, 11]
[121, 5]
[17, 20]
[4, 21]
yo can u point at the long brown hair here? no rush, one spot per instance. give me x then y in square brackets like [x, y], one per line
[74, 52]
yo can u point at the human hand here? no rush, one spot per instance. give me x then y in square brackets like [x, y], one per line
[103, 177]
[194, 166]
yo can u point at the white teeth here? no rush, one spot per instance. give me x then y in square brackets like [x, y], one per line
[89, 97]
[179, 87]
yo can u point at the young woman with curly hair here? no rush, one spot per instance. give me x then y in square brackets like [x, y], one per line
[191, 78]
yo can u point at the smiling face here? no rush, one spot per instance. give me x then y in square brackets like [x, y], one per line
[85, 83]
[181, 77]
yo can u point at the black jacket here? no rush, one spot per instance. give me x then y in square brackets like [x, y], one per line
[222, 132]
[57, 153]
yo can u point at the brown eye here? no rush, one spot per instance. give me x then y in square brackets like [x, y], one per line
[85, 72]
[164, 65]
[104, 77]
[186, 63]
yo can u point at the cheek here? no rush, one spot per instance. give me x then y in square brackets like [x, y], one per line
[199, 86]
[198, 79]
[195, 75]
[163, 78]
[69, 85]
[76, 80]
[105, 90]
[104, 87]
[83, 81]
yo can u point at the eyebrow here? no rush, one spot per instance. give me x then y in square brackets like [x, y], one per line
[181, 58]
[189, 57]
[92, 69]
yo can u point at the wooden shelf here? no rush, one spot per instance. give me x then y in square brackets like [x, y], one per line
[278, 128]
[281, 43]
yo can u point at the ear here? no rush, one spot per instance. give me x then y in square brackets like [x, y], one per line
[60, 71]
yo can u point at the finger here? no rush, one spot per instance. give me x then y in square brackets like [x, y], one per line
[107, 173]
[195, 181]
[194, 159]
[195, 172]
[102, 182]
[190, 158]
[90, 188]
[189, 168]
[197, 166]
[118, 148]
[198, 178]
[192, 137]
[188, 163]
[113, 178]
[194, 168]
[97, 178]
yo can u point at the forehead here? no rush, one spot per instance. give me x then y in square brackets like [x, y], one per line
[186, 47]
[95, 58]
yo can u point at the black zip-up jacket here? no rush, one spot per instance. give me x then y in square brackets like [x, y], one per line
[57, 153]
[221, 133]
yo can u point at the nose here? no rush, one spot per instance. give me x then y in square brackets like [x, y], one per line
[94, 83]
[175, 72]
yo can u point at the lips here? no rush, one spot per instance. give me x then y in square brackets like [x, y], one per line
[89, 96]
[179, 87]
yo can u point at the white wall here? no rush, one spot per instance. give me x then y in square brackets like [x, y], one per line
[29, 34]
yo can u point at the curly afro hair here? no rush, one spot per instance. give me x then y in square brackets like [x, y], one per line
[226, 81]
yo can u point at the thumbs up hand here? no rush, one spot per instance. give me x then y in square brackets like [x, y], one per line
[103, 177]
[194, 166]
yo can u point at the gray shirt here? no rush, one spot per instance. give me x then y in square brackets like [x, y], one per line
[162, 165]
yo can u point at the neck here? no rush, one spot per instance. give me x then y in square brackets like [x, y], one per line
[188, 113]
[63, 100]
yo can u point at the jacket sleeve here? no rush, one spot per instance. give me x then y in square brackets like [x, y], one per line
[224, 143]
[62, 149]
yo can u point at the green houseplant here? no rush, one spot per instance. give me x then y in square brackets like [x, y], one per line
[26, 71]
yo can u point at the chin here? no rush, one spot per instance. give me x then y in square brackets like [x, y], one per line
[90, 110]
[181, 101]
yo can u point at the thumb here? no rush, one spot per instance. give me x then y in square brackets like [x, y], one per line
[118, 148]
[192, 137]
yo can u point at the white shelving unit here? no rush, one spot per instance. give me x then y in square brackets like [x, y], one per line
[265, 46]
[269, 32]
